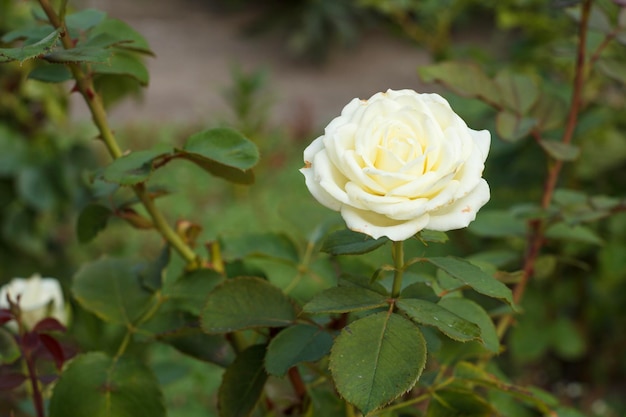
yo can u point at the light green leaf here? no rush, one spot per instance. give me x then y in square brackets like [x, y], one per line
[549, 112]
[242, 384]
[223, 152]
[26, 52]
[125, 64]
[512, 127]
[9, 349]
[473, 312]
[111, 289]
[376, 359]
[278, 246]
[96, 385]
[301, 343]
[560, 151]
[92, 219]
[345, 299]
[246, 302]
[452, 402]
[134, 167]
[518, 92]
[473, 277]
[577, 233]
[431, 314]
[433, 236]
[78, 54]
[84, 19]
[131, 39]
[348, 242]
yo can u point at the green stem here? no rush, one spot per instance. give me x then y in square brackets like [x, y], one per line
[84, 85]
[397, 253]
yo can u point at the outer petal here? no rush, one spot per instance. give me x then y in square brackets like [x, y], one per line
[312, 180]
[462, 212]
[482, 138]
[377, 225]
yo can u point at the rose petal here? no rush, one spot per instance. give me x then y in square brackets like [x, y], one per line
[482, 138]
[377, 225]
[462, 212]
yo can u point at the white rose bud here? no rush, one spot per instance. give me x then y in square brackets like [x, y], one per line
[39, 298]
[398, 163]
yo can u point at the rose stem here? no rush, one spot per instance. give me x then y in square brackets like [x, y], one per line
[397, 253]
[536, 234]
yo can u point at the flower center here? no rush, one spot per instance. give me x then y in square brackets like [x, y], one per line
[396, 149]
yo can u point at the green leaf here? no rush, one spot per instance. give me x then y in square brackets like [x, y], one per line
[131, 38]
[473, 277]
[9, 349]
[465, 79]
[473, 312]
[125, 64]
[577, 233]
[246, 302]
[613, 68]
[133, 168]
[278, 246]
[189, 292]
[549, 112]
[376, 359]
[598, 20]
[560, 151]
[24, 53]
[458, 402]
[300, 343]
[518, 92]
[111, 289]
[152, 274]
[50, 73]
[345, 299]
[433, 236]
[566, 339]
[84, 19]
[431, 314]
[224, 153]
[91, 220]
[242, 384]
[512, 127]
[96, 385]
[498, 223]
[348, 242]
[78, 54]
[29, 34]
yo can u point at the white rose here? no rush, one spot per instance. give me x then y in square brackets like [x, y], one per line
[39, 298]
[398, 163]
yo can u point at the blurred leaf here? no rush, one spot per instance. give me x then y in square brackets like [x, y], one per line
[498, 223]
[345, 299]
[133, 168]
[549, 111]
[9, 349]
[473, 312]
[465, 79]
[37, 186]
[246, 302]
[278, 246]
[84, 19]
[11, 380]
[190, 291]
[152, 274]
[511, 127]
[242, 384]
[99, 386]
[124, 64]
[473, 277]
[29, 34]
[431, 314]
[376, 359]
[518, 92]
[26, 52]
[559, 150]
[111, 289]
[78, 54]
[566, 339]
[433, 236]
[613, 68]
[133, 40]
[223, 152]
[295, 344]
[598, 20]
[50, 73]
[348, 242]
[451, 402]
[91, 220]
[577, 233]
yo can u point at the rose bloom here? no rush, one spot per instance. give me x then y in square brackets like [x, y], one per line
[39, 298]
[398, 163]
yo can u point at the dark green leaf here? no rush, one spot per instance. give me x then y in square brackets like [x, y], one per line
[512, 127]
[559, 150]
[23, 53]
[376, 359]
[345, 299]
[92, 219]
[99, 386]
[576, 233]
[300, 343]
[348, 242]
[131, 38]
[84, 19]
[111, 289]
[242, 384]
[78, 54]
[190, 291]
[30, 34]
[246, 302]
[431, 314]
[549, 112]
[498, 223]
[133, 168]
[153, 273]
[474, 277]
[122, 63]
[566, 339]
[473, 312]
[465, 79]
[278, 246]
[614, 69]
[456, 402]
[50, 73]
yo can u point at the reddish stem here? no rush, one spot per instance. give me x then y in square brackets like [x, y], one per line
[32, 376]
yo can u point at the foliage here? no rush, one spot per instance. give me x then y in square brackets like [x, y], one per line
[298, 314]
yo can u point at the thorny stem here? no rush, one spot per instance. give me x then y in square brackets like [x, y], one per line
[84, 85]
[536, 236]
[397, 252]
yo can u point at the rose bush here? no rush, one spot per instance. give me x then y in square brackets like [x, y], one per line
[398, 163]
[38, 298]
